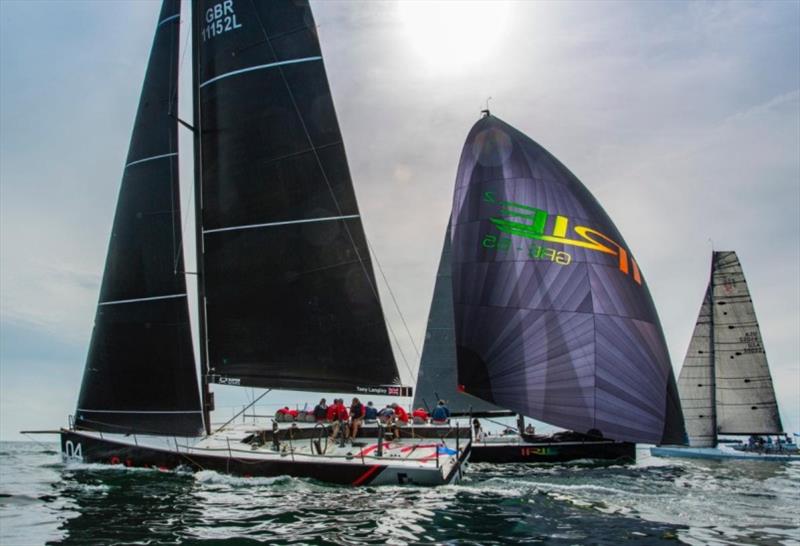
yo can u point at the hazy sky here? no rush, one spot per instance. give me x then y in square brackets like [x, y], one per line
[683, 119]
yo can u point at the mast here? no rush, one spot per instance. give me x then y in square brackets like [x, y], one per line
[712, 371]
[205, 390]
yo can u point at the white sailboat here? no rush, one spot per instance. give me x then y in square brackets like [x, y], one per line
[725, 385]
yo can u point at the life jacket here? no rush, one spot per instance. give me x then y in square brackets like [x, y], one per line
[293, 413]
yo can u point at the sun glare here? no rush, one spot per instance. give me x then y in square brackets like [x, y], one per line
[451, 35]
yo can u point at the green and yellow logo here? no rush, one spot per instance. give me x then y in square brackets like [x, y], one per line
[531, 223]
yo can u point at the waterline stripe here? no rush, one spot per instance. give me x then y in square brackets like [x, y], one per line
[168, 19]
[151, 158]
[143, 412]
[259, 67]
[306, 221]
[171, 296]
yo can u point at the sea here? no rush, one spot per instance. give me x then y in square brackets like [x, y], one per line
[655, 501]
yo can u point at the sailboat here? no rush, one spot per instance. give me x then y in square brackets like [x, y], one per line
[287, 293]
[540, 310]
[725, 385]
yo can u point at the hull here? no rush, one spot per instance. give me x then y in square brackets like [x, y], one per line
[721, 453]
[168, 453]
[551, 452]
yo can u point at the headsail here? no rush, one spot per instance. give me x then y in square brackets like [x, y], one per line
[437, 369]
[290, 295]
[140, 371]
[553, 316]
[696, 381]
[745, 396]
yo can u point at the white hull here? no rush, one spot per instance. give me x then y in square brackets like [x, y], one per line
[420, 461]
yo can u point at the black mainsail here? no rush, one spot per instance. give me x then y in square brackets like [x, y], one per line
[553, 318]
[436, 379]
[725, 383]
[140, 371]
[289, 298]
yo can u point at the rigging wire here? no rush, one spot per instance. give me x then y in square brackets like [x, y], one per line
[394, 299]
[327, 181]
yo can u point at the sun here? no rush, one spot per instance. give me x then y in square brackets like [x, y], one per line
[450, 35]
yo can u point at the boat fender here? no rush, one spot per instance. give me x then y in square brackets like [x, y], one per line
[114, 460]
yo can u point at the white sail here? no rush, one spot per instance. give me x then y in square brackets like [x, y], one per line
[745, 398]
[696, 381]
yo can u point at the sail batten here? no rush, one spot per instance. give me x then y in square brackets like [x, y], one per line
[140, 371]
[288, 291]
[553, 319]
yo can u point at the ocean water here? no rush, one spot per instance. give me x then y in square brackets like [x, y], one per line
[655, 501]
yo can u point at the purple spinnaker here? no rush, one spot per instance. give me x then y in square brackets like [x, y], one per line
[553, 318]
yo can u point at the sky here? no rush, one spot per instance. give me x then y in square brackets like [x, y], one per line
[682, 118]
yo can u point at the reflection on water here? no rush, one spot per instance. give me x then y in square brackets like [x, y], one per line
[656, 501]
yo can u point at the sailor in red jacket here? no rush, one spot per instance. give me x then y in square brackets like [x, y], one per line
[400, 413]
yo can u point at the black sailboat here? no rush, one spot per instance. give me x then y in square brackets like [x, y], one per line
[287, 294]
[551, 316]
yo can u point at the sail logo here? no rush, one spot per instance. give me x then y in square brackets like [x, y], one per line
[219, 18]
[531, 222]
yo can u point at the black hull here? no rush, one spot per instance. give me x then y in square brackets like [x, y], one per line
[89, 449]
[552, 452]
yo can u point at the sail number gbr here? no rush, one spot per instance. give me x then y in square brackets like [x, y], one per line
[219, 18]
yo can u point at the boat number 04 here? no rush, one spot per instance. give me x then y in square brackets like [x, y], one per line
[73, 451]
[219, 18]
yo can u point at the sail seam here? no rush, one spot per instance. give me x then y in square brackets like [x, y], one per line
[115, 302]
[271, 224]
[259, 67]
[168, 19]
[151, 158]
[132, 411]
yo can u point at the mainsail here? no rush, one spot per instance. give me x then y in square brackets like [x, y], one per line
[437, 379]
[140, 371]
[289, 298]
[553, 318]
[725, 383]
